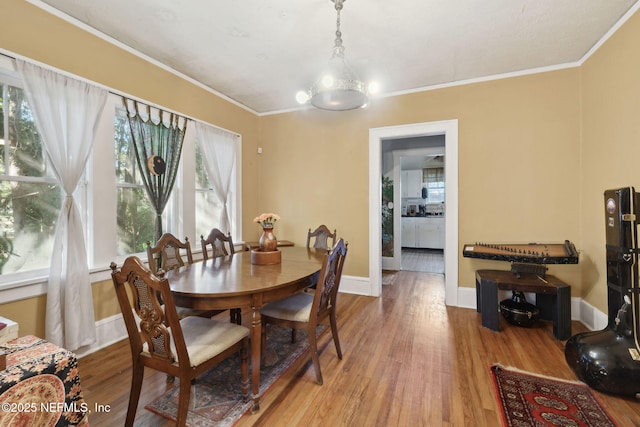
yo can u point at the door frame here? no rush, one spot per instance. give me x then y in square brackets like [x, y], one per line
[395, 262]
[448, 128]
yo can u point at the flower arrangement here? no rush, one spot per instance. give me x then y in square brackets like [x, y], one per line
[266, 220]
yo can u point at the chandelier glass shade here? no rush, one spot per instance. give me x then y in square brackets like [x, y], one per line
[338, 89]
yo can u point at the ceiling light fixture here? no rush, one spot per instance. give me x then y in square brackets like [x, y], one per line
[338, 89]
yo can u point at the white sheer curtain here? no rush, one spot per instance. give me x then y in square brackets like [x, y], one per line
[66, 113]
[219, 151]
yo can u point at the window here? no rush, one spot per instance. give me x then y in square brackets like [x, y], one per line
[134, 211]
[118, 215]
[209, 212]
[434, 177]
[29, 197]
[208, 205]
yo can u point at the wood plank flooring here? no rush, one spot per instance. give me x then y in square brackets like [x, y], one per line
[408, 361]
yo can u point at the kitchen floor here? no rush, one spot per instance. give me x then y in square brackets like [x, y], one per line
[424, 260]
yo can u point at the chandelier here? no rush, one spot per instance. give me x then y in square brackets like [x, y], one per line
[338, 89]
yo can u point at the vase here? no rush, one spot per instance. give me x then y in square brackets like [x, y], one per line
[268, 241]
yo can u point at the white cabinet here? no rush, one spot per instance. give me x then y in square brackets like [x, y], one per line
[430, 233]
[411, 182]
[409, 232]
[423, 232]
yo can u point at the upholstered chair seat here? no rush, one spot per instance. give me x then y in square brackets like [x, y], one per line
[296, 308]
[206, 338]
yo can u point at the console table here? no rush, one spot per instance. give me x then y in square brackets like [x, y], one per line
[553, 297]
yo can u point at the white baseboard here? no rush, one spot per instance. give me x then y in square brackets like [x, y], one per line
[467, 298]
[356, 285]
[108, 331]
[592, 318]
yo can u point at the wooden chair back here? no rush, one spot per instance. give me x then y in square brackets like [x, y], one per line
[322, 234]
[159, 340]
[217, 240]
[221, 245]
[326, 292]
[141, 292]
[166, 254]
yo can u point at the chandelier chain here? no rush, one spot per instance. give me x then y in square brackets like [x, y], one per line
[338, 47]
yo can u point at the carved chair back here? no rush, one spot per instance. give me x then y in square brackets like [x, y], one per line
[221, 244]
[322, 235]
[324, 299]
[167, 253]
[155, 323]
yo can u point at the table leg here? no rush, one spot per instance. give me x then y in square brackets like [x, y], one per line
[489, 302]
[563, 331]
[558, 309]
[478, 295]
[256, 337]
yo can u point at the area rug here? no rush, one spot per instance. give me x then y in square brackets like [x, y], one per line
[216, 398]
[528, 399]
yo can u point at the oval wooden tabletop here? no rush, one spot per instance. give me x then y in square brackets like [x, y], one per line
[235, 275]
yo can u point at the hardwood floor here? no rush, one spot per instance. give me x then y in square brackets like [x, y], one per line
[408, 361]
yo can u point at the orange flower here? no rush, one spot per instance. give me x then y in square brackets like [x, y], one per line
[266, 219]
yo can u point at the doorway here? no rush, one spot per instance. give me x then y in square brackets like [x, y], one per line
[449, 129]
[414, 170]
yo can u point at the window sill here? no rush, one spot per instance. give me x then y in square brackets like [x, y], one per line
[37, 285]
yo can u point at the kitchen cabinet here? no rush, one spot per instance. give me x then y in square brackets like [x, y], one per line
[411, 182]
[409, 233]
[423, 232]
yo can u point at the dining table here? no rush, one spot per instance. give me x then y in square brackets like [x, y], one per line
[233, 281]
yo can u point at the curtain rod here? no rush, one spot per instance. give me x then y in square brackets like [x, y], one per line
[112, 91]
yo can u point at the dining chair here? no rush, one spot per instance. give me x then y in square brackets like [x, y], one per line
[321, 236]
[184, 348]
[218, 240]
[306, 311]
[167, 255]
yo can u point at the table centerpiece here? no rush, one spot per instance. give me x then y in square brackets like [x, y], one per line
[267, 251]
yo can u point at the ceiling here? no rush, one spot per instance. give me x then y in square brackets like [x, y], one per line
[259, 53]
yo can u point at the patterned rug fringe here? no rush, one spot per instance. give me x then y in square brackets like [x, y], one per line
[531, 374]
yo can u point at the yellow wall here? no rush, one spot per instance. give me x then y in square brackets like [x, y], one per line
[518, 164]
[533, 150]
[610, 88]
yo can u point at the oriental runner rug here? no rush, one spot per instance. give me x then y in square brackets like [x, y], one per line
[533, 400]
[216, 398]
